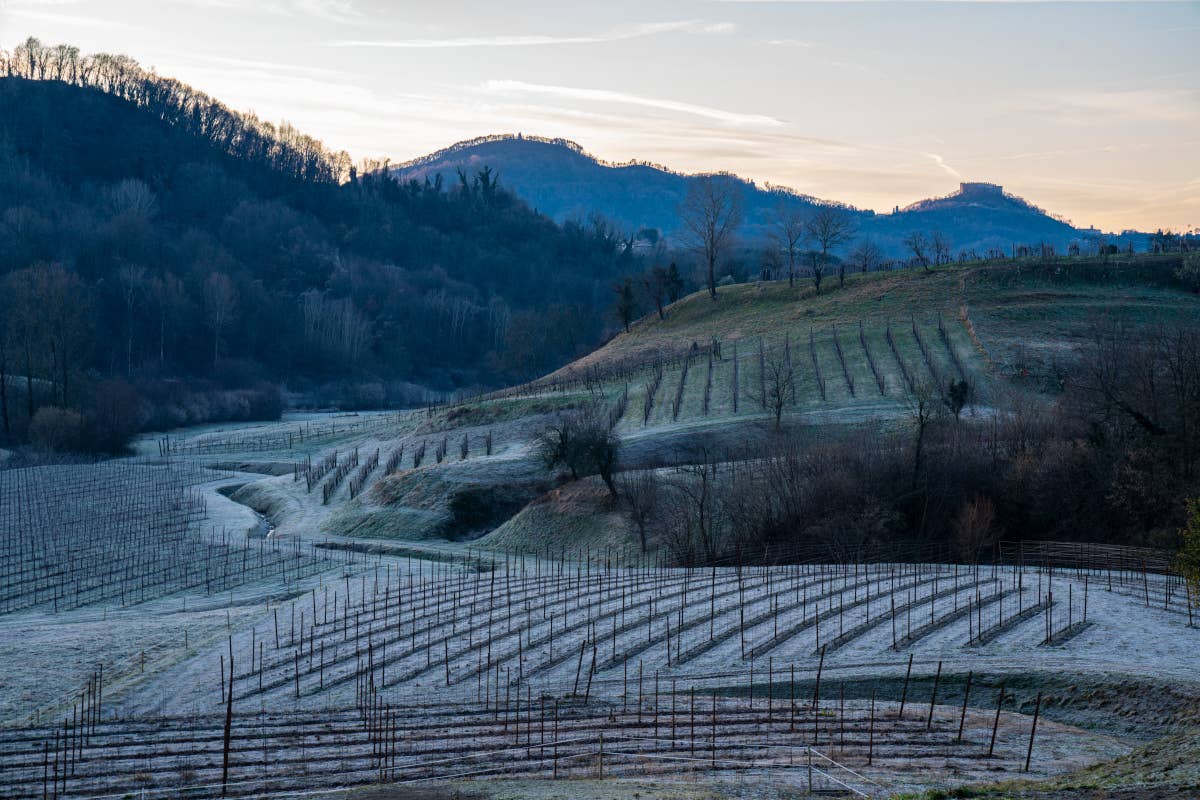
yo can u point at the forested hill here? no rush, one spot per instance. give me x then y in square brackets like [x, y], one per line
[194, 243]
[561, 179]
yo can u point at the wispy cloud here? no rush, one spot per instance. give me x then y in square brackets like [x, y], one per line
[942, 165]
[540, 40]
[327, 10]
[47, 11]
[626, 98]
[258, 65]
[1125, 105]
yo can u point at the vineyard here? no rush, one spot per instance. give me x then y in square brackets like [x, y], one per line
[332, 601]
[564, 665]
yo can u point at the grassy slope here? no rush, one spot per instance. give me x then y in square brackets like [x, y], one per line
[1004, 321]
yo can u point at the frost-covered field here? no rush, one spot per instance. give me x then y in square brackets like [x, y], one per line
[142, 604]
[414, 669]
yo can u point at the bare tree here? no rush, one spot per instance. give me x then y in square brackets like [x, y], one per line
[4, 416]
[867, 256]
[585, 443]
[1143, 383]
[133, 286]
[923, 408]
[60, 300]
[711, 213]
[788, 232]
[778, 385]
[918, 244]
[656, 281]
[830, 228]
[816, 268]
[335, 330]
[220, 304]
[941, 248]
[639, 496]
[693, 517]
[770, 266]
[974, 528]
[24, 326]
[170, 299]
[626, 302]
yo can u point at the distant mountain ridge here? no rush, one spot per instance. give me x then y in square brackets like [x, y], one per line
[562, 180]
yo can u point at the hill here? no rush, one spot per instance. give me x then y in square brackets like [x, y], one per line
[561, 179]
[203, 251]
[849, 368]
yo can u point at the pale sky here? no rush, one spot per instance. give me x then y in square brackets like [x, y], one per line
[1090, 110]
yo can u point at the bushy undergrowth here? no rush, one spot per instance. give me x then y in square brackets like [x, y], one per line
[1113, 459]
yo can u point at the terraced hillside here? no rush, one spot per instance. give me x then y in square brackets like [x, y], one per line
[859, 349]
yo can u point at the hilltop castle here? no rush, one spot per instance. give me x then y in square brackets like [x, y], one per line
[980, 189]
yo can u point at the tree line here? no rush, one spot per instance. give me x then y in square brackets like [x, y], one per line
[1113, 457]
[210, 256]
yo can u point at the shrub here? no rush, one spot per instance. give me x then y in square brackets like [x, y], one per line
[114, 416]
[584, 443]
[59, 430]
[1187, 561]
[1189, 272]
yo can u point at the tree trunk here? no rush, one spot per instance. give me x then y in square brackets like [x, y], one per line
[65, 374]
[4, 391]
[129, 343]
[29, 379]
[918, 453]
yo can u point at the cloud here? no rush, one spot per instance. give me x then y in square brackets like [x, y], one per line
[1141, 105]
[47, 11]
[328, 10]
[258, 65]
[941, 163]
[539, 40]
[791, 43]
[507, 87]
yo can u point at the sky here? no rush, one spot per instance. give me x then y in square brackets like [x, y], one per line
[1089, 110]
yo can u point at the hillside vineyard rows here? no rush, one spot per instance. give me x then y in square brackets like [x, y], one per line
[347, 666]
[262, 609]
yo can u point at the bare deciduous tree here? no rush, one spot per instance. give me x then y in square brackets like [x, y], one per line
[778, 385]
[133, 286]
[626, 303]
[830, 228]
[918, 244]
[656, 282]
[639, 496]
[923, 408]
[867, 257]
[4, 338]
[59, 321]
[788, 232]
[584, 442]
[941, 248]
[170, 299]
[974, 528]
[711, 213]
[220, 304]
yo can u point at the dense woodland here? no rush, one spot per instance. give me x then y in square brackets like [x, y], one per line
[158, 243]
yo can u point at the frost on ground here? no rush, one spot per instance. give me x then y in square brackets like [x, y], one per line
[359, 660]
